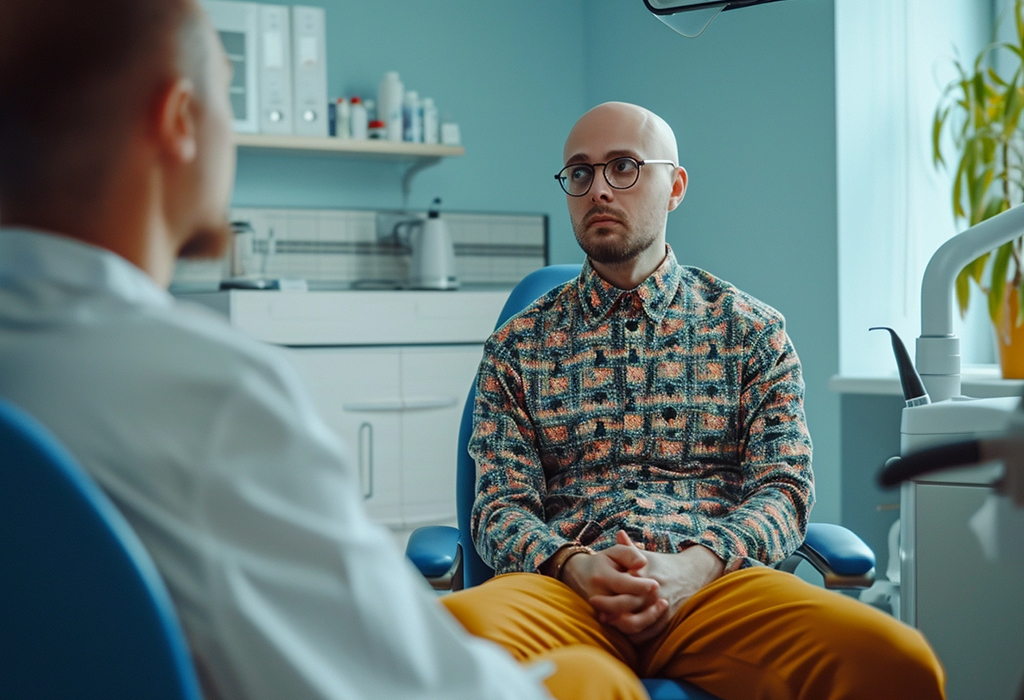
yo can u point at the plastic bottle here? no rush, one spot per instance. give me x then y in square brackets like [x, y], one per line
[358, 119]
[389, 104]
[431, 126]
[343, 119]
[412, 118]
[376, 130]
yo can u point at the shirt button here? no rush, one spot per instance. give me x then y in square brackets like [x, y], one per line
[632, 325]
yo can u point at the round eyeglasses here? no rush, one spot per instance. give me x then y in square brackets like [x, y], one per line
[620, 174]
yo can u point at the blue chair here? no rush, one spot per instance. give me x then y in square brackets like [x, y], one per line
[83, 611]
[448, 559]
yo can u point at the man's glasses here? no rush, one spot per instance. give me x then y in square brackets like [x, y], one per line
[620, 173]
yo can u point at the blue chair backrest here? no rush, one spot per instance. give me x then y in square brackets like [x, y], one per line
[532, 287]
[83, 611]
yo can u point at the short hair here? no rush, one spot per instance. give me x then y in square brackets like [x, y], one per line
[74, 75]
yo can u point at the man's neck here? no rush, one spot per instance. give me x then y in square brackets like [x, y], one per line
[631, 274]
[129, 224]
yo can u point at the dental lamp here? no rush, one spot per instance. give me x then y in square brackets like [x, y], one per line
[691, 17]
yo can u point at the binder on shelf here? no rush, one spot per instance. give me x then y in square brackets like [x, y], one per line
[309, 66]
[236, 24]
[275, 70]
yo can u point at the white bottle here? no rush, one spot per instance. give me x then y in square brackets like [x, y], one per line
[412, 118]
[343, 119]
[389, 104]
[431, 127]
[358, 118]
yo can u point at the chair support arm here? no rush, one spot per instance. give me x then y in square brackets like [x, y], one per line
[842, 558]
[436, 552]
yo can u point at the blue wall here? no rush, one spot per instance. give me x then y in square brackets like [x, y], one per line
[752, 102]
[511, 75]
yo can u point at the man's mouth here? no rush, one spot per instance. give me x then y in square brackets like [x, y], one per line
[602, 219]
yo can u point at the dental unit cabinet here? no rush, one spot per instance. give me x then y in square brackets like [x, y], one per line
[970, 609]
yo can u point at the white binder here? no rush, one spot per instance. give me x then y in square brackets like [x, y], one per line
[309, 65]
[236, 24]
[275, 70]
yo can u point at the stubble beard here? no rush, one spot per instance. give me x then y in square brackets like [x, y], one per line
[609, 250]
[210, 241]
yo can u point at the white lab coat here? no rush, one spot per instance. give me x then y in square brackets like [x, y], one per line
[209, 444]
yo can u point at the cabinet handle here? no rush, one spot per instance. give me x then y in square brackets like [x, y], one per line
[389, 405]
[366, 458]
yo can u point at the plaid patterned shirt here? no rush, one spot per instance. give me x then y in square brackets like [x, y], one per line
[673, 411]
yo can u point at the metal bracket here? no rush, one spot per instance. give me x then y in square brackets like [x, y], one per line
[418, 165]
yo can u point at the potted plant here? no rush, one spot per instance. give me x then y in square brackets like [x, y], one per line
[981, 110]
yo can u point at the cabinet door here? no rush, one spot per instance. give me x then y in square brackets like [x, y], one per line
[435, 381]
[358, 394]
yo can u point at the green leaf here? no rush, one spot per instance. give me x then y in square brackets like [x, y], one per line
[978, 267]
[994, 77]
[996, 205]
[958, 197]
[940, 120]
[997, 290]
[963, 290]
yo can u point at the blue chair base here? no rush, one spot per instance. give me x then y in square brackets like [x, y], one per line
[660, 689]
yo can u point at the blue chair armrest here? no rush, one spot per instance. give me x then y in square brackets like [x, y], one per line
[435, 551]
[841, 557]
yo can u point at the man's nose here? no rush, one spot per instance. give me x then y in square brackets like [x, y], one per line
[600, 190]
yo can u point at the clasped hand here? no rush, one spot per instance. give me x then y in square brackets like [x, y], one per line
[637, 591]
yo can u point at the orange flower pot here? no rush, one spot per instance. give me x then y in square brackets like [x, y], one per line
[1010, 337]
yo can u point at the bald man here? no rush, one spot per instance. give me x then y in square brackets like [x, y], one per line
[643, 459]
[116, 158]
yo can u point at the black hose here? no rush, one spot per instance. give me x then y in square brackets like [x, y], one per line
[956, 454]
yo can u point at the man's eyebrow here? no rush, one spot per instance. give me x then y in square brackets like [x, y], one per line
[618, 153]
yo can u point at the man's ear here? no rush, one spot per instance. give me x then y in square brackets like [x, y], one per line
[678, 188]
[176, 121]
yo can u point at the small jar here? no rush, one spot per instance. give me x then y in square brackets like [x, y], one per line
[376, 129]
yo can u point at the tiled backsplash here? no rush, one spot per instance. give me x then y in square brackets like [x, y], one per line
[335, 248]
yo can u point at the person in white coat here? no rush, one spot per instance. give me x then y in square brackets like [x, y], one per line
[116, 158]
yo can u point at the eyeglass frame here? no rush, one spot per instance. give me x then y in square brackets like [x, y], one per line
[604, 171]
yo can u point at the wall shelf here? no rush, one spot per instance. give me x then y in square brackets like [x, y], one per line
[307, 145]
[419, 156]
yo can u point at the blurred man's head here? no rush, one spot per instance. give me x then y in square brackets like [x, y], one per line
[624, 227]
[115, 126]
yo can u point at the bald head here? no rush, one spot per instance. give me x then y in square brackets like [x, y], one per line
[636, 128]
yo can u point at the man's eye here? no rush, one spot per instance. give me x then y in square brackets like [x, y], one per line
[578, 174]
[623, 165]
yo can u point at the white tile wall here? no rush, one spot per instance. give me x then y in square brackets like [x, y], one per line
[336, 248]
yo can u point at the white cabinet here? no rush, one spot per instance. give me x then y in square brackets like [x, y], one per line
[343, 383]
[389, 372]
[398, 409]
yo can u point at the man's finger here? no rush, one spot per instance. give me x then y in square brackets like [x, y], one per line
[622, 537]
[627, 556]
[632, 624]
[653, 630]
[618, 582]
[615, 605]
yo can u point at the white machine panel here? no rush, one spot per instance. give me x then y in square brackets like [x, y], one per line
[237, 25]
[275, 70]
[309, 61]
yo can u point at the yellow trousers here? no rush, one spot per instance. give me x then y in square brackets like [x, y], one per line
[755, 634]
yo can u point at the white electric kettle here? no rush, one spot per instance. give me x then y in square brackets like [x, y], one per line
[433, 255]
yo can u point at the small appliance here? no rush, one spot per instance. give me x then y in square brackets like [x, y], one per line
[433, 255]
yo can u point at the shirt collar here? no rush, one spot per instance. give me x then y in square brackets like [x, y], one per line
[655, 293]
[35, 257]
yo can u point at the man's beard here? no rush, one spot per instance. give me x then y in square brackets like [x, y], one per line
[210, 241]
[612, 250]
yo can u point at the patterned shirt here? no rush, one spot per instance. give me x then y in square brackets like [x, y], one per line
[673, 411]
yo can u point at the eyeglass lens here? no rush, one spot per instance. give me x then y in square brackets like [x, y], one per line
[620, 173]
